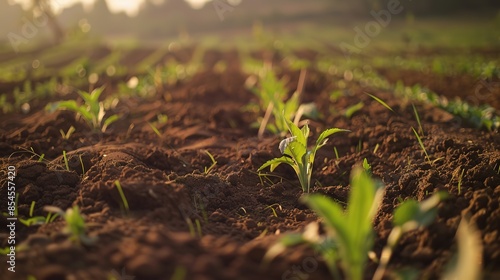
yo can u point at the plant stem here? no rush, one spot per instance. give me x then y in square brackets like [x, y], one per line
[386, 254]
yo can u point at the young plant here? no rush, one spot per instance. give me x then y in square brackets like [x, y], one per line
[349, 234]
[214, 162]
[31, 221]
[65, 157]
[418, 120]
[366, 166]
[122, 196]
[381, 102]
[37, 220]
[273, 101]
[273, 209]
[67, 135]
[155, 129]
[92, 111]
[195, 232]
[350, 111]
[409, 215]
[75, 223]
[296, 154]
[422, 145]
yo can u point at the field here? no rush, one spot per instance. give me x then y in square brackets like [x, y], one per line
[165, 172]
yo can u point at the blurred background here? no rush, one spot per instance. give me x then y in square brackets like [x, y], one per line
[457, 22]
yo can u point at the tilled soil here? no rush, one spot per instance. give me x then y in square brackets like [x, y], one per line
[239, 213]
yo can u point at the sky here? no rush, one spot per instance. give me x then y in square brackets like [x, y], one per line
[128, 6]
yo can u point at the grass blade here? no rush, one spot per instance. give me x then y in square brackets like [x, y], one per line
[380, 101]
[422, 145]
[122, 195]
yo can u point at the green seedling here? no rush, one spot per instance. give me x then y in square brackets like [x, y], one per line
[162, 118]
[422, 145]
[122, 196]
[381, 102]
[195, 232]
[92, 111]
[336, 152]
[296, 154]
[40, 157]
[366, 166]
[359, 147]
[75, 224]
[32, 220]
[66, 135]
[409, 215]
[214, 162]
[272, 94]
[349, 236]
[272, 207]
[418, 120]
[350, 111]
[483, 116]
[65, 160]
[32, 152]
[156, 131]
[81, 163]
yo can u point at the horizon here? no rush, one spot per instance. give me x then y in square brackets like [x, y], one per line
[130, 7]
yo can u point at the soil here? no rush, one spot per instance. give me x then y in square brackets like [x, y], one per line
[239, 213]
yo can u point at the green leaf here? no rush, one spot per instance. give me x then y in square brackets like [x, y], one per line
[68, 104]
[305, 131]
[279, 247]
[325, 134]
[92, 100]
[411, 214]
[366, 166]
[406, 212]
[353, 109]
[109, 121]
[297, 151]
[292, 239]
[380, 101]
[273, 163]
[295, 131]
[291, 105]
[364, 201]
[73, 106]
[332, 214]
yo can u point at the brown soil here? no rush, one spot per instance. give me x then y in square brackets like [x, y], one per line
[164, 181]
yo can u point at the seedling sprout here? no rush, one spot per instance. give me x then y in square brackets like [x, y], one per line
[296, 154]
[92, 111]
[75, 224]
[122, 196]
[214, 162]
